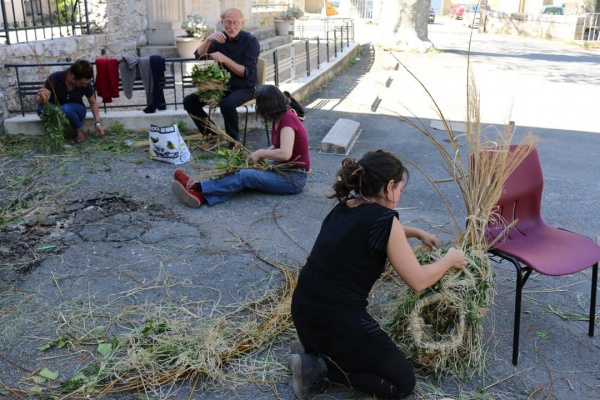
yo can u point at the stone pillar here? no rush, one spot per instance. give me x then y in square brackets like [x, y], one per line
[165, 16]
[210, 10]
[164, 11]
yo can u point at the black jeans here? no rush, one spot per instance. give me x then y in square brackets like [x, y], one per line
[234, 97]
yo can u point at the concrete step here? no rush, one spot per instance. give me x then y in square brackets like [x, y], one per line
[135, 120]
[263, 33]
[341, 136]
[274, 42]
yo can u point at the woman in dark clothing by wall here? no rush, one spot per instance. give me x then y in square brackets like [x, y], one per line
[67, 89]
[340, 339]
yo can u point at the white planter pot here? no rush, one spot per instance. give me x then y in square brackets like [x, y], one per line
[283, 27]
[187, 45]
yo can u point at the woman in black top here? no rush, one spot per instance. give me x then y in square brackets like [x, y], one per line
[329, 305]
[67, 89]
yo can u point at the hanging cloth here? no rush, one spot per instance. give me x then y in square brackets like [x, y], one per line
[107, 78]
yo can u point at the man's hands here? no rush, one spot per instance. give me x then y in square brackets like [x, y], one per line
[217, 36]
[219, 57]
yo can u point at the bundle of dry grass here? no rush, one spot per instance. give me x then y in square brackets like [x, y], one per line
[441, 327]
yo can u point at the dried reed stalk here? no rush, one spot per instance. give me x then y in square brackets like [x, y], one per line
[441, 327]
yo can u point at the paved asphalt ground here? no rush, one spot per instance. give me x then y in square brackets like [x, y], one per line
[120, 236]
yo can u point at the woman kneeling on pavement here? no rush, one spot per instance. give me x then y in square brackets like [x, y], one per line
[339, 339]
[289, 145]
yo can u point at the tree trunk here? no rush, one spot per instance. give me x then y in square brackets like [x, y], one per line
[403, 25]
[483, 16]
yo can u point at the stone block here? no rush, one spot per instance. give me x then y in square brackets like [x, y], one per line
[341, 136]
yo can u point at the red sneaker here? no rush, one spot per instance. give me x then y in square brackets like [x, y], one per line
[182, 178]
[189, 197]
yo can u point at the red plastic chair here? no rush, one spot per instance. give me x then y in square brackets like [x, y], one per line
[533, 245]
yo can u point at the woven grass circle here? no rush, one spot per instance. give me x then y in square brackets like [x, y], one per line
[437, 324]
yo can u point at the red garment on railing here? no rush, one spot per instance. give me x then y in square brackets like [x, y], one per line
[107, 78]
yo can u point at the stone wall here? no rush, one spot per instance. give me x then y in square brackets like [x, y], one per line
[559, 27]
[119, 27]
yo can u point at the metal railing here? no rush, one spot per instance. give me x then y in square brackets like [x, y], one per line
[263, 5]
[283, 64]
[29, 20]
[591, 27]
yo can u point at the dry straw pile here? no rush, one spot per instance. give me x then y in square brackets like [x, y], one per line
[441, 328]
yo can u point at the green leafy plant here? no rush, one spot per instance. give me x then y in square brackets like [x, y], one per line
[181, 125]
[196, 26]
[211, 81]
[54, 121]
[116, 128]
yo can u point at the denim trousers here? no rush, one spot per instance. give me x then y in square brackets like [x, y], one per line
[74, 112]
[272, 182]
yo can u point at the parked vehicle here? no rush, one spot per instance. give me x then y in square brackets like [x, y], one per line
[553, 10]
[431, 15]
[472, 15]
[457, 10]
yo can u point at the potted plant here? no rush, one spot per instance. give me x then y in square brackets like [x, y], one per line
[196, 29]
[286, 18]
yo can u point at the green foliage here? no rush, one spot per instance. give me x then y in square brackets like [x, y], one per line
[211, 81]
[232, 160]
[116, 128]
[210, 72]
[66, 11]
[181, 125]
[57, 343]
[54, 121]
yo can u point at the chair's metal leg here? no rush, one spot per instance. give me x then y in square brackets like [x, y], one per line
[521, 279]
[245, 126]
[593, 300]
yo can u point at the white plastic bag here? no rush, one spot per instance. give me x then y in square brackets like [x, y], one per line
[166, 144]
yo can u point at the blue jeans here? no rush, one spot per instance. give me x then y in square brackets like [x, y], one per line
[220, 190]
[74, 112]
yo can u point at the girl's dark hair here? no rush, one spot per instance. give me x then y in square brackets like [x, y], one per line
[366, 177]
[270, 102]
[81, 69]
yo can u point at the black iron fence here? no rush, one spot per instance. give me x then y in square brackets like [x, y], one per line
[283, 64]
[590, 29]
[29, 20]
